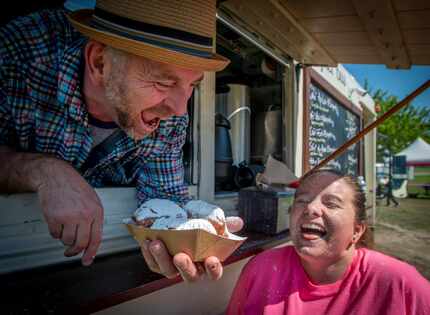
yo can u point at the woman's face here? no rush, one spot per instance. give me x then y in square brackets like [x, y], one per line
[322, 219]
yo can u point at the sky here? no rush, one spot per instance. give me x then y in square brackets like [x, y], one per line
[396, 82]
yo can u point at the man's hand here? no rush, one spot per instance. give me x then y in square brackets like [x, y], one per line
[70, 205]
[159, 260]
[71, 208]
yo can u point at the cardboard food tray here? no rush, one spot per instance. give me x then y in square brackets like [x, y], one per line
[198, 244]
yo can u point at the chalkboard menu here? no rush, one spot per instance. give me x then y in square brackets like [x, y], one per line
[330, 125]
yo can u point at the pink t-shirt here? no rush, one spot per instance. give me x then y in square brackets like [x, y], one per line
[275, 282]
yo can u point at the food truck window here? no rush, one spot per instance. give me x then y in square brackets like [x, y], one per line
[248, 111]
[25, 242]
[330, 120]
[189, 149]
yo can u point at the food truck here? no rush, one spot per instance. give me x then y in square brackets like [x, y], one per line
[285, 94]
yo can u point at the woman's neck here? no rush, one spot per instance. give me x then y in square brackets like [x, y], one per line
[325, 273]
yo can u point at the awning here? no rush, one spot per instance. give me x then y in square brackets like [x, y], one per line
[327, 32]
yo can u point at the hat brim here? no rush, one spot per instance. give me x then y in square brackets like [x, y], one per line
[81, 21]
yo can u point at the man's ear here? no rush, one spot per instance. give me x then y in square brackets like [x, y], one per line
[95, 62]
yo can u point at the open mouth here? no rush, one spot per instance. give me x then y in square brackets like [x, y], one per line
[150, 125]
[312, 231]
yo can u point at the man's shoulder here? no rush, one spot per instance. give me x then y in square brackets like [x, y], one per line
[37, 36]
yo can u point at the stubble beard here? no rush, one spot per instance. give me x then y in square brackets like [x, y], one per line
[116, 95]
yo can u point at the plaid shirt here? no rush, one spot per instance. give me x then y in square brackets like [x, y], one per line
[42, 110]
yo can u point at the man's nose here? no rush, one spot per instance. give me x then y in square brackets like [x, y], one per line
[314, 209]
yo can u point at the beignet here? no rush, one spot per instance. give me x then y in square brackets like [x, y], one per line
[202, 210]
[194, 224]
[159, 214]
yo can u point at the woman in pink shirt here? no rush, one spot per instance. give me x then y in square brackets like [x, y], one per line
[324, 272]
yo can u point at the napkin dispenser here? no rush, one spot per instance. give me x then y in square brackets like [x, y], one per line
[265, 211]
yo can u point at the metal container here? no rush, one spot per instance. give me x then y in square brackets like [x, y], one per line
[267, 135]
[235, 105]
[224, 171]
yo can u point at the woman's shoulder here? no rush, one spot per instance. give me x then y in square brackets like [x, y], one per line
[272, 257]
[269, 266]
[379, 260]
[390, 268]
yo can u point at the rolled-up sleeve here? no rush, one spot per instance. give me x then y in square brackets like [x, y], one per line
[162, 175]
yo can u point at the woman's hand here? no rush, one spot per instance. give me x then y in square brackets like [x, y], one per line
[159, 260]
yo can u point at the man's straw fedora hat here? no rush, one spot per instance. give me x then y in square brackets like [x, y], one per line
[179, 32]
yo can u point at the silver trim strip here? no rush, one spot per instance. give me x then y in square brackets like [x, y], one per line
[229, 23]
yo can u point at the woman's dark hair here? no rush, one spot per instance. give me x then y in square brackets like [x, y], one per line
[359, 199]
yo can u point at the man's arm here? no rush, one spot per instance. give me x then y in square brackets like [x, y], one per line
[70, 205]
[20, 172]
[163, 177]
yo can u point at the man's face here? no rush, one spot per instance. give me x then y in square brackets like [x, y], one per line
[323, 218]
[145, 92]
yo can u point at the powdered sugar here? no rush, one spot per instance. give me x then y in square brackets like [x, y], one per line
[164, 214]
[195, 224]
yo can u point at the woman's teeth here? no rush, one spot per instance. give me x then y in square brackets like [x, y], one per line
[312, 231]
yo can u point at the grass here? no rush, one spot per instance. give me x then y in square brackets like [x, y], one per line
[412, 214]
[405, 247]
[422, 176]
[404, 232]
[421, 179]
[422, 170]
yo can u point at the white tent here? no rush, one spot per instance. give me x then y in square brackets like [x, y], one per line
[417, 153]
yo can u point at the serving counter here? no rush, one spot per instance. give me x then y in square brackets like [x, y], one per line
[111, 280]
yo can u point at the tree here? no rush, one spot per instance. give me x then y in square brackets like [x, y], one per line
[404, 127]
